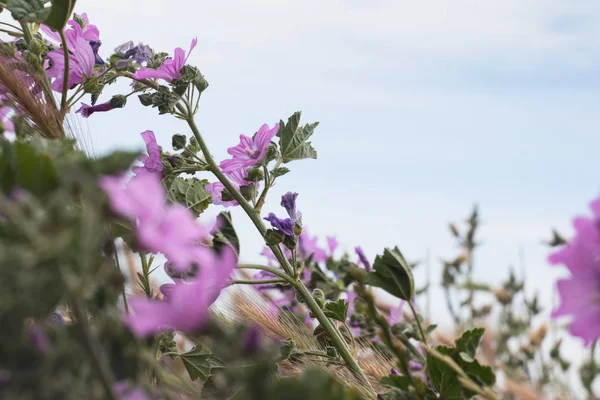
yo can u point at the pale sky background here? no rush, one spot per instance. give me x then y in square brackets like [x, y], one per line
[426, 107]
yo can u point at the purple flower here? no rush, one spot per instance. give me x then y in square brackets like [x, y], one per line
[139, 54]
[283, 225]
[250, 151]
[170, 69]
[396, 314]
[580, 294]
[288, 201]
[152, 161]
[394, 371]
[118, 101]
[267, 252]
[362, 258]
[160, 228]
[38, 338]
[252, 341]
[332, 244]
[186, 308]
[307, 246]
[95, 44]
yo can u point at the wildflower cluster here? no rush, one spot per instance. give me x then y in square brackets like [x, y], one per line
[82, 239]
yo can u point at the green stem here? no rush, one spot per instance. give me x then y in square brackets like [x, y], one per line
[273, 271]
[96, 352]
[65, 88]
[253, 282]
[26, 32]
[351, 335]
[118, 265]
[331, 330]
[414, 313]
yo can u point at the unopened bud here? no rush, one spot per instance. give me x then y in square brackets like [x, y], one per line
[502, 296]
[537, 336]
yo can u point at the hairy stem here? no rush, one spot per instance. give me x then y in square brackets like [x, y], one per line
[414, 313]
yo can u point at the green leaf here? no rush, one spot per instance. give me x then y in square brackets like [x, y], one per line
[114, 163]
[28, 10]
[277, 172]
[225, 235]
[481, 374]
[59, 14]
[197, 363]
[293, 138]
[392, 273]
[395, 381]
[22, 166]
[191, 193]
[469, 341]
[337, 310]
[443, 378]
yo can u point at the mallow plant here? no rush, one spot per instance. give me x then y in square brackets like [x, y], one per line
[81, 239]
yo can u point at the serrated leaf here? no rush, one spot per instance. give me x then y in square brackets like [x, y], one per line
[392, 273]
[293, 139]
[337, 310]
[28, 10]
[481, 374]
[197, 363]
[225, 234]
[469, 341]
[60, 12]
[442, 377]
[277, 172]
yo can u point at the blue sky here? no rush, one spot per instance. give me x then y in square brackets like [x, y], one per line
[425, 108]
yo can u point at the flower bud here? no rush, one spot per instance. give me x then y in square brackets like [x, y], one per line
[319, 297]
[178, 141]
[502, 296]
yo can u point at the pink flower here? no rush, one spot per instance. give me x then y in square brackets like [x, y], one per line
[81, 63]
[152, 161]
[332, 244]
[307, 246]
[160, 227]
[170, 69]
[89, 32]
[238, 178]
[396, 314]
[186, 308]
[250, 151]
[5, 118]
[580, 294]
[83, 44]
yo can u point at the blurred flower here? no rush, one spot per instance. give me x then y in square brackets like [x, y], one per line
[152, 161]
[580, 294]
[332, 244]
[38, 338]
[170, 69]
[161, 228]
[362, 258]
[307, 246]
[250, 151]
[139, 54]
[186, 307]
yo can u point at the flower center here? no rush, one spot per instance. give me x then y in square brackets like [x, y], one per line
[252, 153]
